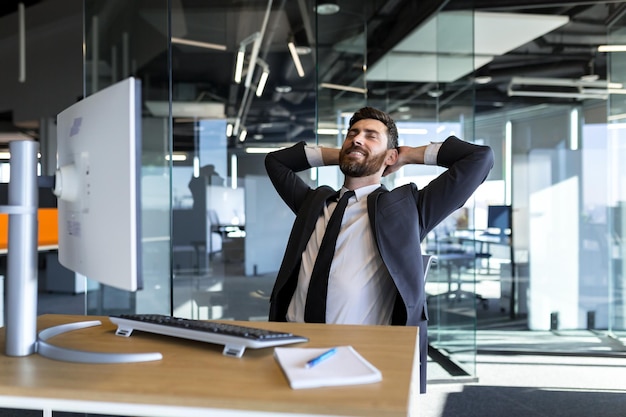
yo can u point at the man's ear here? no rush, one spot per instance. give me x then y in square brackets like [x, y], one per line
[392, 156]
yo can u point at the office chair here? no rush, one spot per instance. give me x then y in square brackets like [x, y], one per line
[428, 260]
[451, 295]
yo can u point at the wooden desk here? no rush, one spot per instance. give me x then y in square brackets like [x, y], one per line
[195, 379]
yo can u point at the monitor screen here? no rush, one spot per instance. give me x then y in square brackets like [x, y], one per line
[98, 186]
[499, 217]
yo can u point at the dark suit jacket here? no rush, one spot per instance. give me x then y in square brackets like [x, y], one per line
[400, 219]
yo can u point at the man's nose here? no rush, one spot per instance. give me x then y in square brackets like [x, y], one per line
[358, 139]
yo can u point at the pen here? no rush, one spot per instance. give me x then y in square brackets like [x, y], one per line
[316, 360]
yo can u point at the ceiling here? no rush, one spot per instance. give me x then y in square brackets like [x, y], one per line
[393, 39]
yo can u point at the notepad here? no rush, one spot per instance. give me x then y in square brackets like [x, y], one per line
[345, 367]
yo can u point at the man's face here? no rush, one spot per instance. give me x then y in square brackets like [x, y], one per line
[364, 150]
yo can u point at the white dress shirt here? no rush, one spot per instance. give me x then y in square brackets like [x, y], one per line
[360, 289]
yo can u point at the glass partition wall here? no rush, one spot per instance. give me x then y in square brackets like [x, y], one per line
[124, 39]
[225, 83]
[616, 194]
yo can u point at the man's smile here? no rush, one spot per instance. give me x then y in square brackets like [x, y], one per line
[356, 152]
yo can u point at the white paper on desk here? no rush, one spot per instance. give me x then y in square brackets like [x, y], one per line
[346, 367]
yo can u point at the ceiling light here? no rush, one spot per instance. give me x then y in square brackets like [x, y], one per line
[262, 82]
[239, 65]
[242, 135]
[264, 76]
[590, 77]
[262, 150]
[482, 79]
[283, 89]
[296, 58]
[303, 50]
[328, 131]
[176, 157]
[241, 55]
[435, 93]
[612, 48]
[344, 88]
[198, 44]
[327, 7]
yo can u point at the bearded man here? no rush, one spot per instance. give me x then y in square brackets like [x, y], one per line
[375, 274]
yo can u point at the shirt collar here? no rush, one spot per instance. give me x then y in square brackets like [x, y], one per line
[362, 192]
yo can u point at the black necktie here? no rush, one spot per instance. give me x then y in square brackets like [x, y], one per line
[315, 309]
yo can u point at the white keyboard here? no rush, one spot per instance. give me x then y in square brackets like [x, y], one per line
[235, 338]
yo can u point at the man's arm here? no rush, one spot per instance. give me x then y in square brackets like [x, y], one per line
[330, 156]
[468, 165]
[282, 166]
[407, 155]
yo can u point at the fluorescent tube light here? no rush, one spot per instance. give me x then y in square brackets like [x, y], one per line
[176, 157]
[239, 65]
[262, 81]
[326, 131]
[206, 45]
[573, 129]
[612, 48]
[264, 75]
[344, 88]
[261, 150]
[233, 171]
[296, 58]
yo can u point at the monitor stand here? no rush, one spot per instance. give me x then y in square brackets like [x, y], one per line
[21, 281]
[71, 355]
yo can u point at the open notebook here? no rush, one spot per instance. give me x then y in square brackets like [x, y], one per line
[345, 367]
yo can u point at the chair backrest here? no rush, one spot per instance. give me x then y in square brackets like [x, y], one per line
[428, 260]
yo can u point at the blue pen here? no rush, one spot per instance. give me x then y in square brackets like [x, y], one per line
[316, 360]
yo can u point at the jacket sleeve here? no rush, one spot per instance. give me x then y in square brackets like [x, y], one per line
[282, 167]
[467, 167]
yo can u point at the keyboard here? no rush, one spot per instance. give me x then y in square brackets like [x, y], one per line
[235, 338]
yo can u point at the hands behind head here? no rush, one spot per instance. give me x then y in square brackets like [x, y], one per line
[406, 155]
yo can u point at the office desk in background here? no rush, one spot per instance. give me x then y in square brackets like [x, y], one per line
[47, 230]
[195, 379]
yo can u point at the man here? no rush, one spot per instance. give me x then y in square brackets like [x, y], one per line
[376, 275]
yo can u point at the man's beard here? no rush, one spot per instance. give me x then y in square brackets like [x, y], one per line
[357, 168]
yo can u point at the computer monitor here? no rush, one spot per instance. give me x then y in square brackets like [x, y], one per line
[499, 217]
[98, 186]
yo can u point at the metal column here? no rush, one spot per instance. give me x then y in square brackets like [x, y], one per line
[21, 281]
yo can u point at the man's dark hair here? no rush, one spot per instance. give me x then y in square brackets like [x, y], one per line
[381, 116]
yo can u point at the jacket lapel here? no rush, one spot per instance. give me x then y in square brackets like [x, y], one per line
[372, 203]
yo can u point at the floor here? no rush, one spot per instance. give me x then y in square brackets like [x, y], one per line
[533, 385]
[523, 373]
